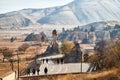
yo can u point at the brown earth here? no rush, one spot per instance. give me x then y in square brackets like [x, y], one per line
[31, 52]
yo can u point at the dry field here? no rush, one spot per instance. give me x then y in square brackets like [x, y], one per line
[5, 68]
[30, 52]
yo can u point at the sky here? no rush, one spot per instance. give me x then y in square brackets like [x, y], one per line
[14, 5]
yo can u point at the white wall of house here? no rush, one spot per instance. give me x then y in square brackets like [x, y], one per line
[10, 76]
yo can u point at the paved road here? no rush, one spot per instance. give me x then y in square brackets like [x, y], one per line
[61, 68]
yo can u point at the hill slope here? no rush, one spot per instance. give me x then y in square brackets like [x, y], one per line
[75, 13]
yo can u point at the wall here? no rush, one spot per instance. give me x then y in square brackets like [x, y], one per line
[10, 76]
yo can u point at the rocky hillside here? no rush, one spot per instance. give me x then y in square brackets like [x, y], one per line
[92, 32]
[36, 37]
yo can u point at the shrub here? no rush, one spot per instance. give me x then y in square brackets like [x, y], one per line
[23, 47]
[6, 52]
[66, 47]
[109, 58]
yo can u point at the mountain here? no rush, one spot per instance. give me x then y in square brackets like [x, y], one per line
[75, 13]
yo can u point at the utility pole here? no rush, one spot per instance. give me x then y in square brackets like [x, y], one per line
[18, 63]
[81, 61]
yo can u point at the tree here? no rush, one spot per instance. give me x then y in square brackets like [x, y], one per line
[7, 53]
[107, 28]
[78, 50]
[43, 38]
[117, 26]
[23, 48]
[110, 56]
[12, 39]
[86, 30]
[66, 46]
[100, 47]
[11, 64]
[63, 30]
[92, 29]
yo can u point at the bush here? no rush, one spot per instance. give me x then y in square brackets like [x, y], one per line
[6, 52]
[110, 56]
[23, 47]
[66, 47]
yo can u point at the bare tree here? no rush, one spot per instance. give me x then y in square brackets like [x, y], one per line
[100, 47]
[6, 52]
[23, 48]
[107, 56]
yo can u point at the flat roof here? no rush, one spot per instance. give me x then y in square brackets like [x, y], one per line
[52, 57]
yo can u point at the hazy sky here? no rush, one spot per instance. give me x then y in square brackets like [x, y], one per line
[13, 5]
